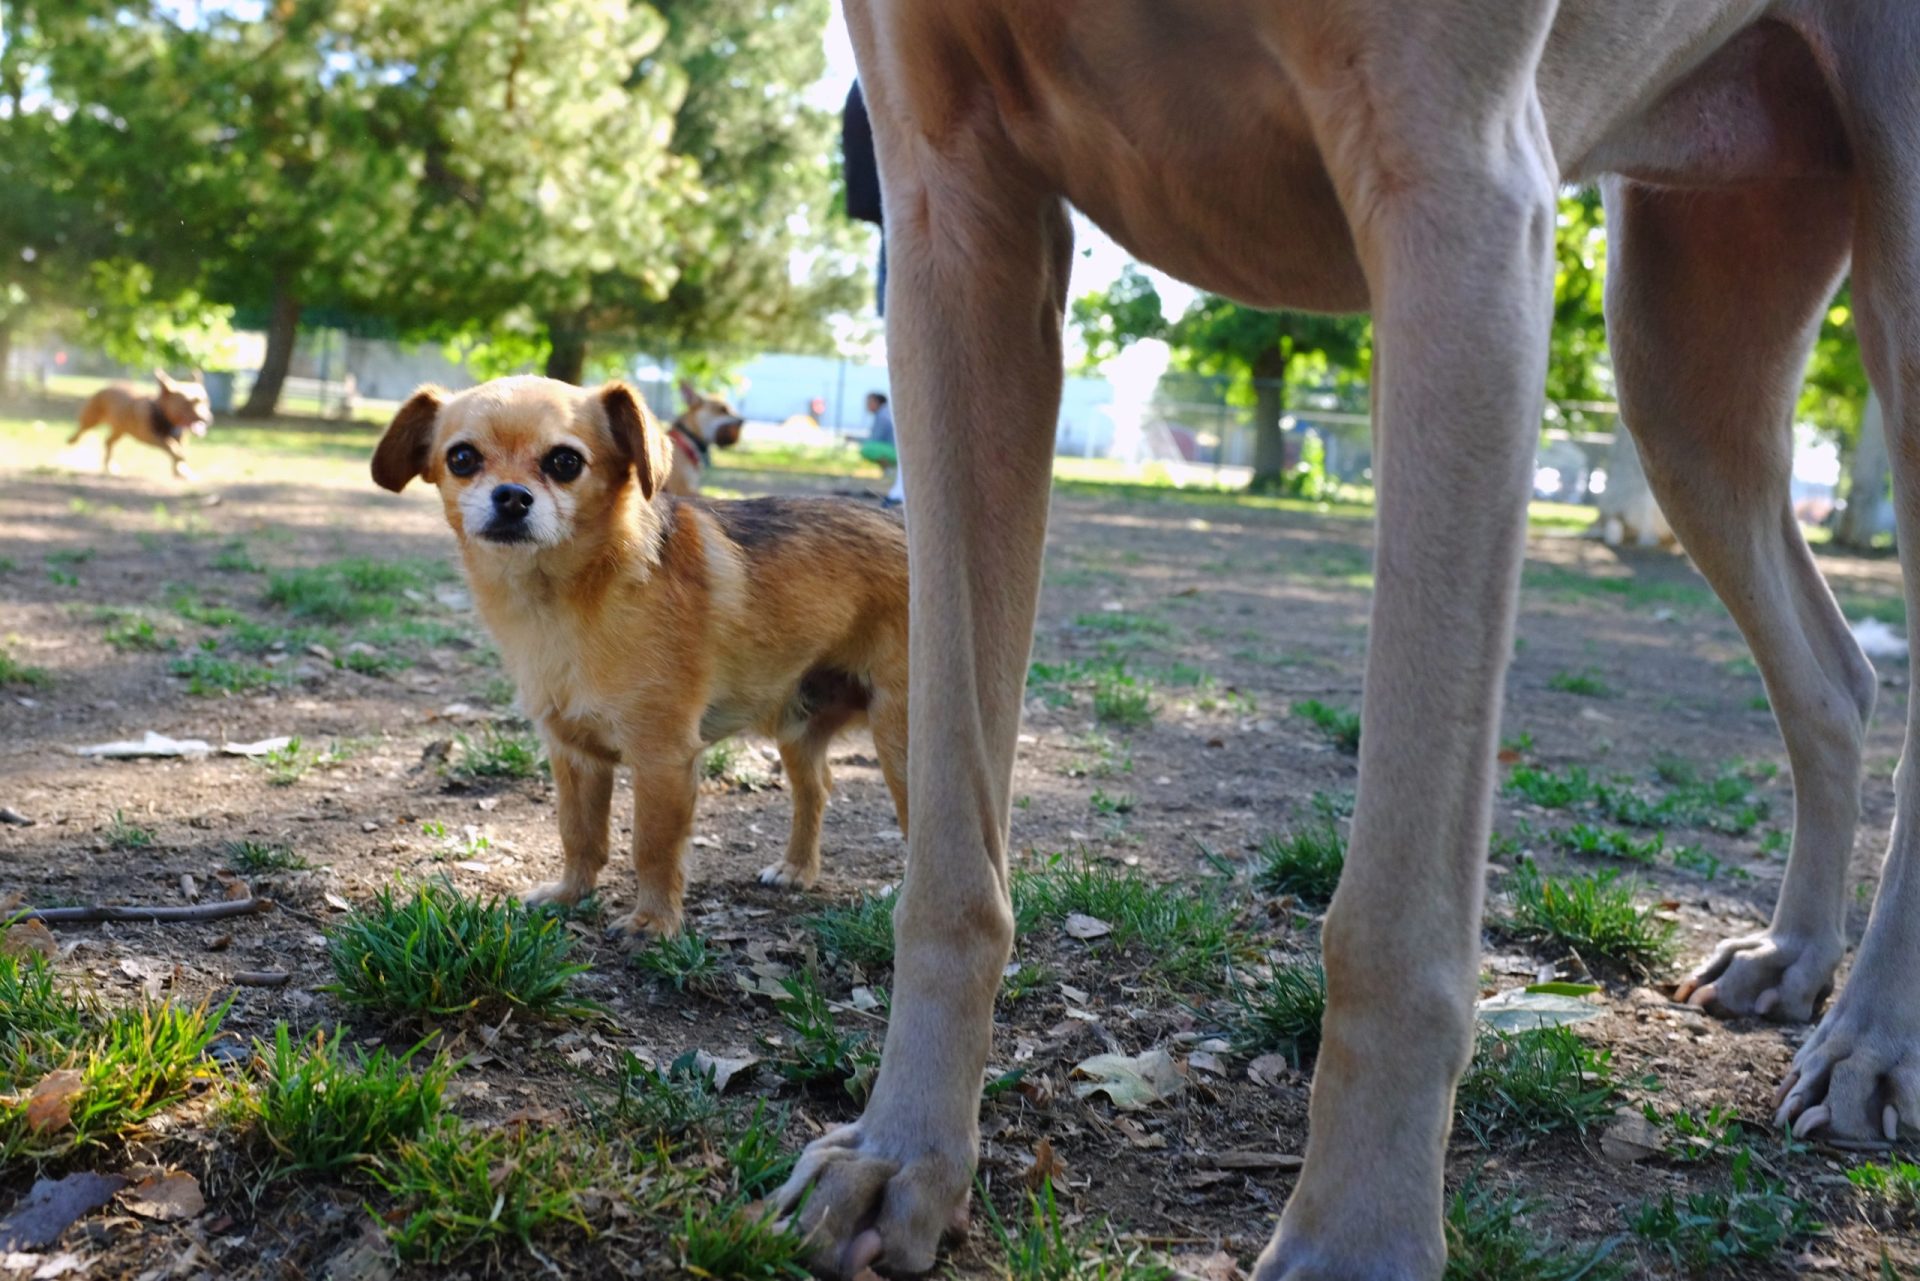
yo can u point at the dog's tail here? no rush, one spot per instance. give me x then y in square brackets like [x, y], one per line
[92, 414]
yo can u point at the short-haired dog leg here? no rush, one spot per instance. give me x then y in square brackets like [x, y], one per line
[805, 761]
[1705, 349]
[1857, 1079]
[583, 788]
[663, 798]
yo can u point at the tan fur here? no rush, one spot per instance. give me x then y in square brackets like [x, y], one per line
[640, 627]
[127, 413]
[705, 421]
[1402, 158]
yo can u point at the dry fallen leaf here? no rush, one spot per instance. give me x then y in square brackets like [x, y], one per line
[1268, 1070]
[169, 1198]
[1081, 926]
[50, 1106]
[1132, 1082]
[29, 938]
[722, 1069]
[1044, 1167]
[1630, 1137]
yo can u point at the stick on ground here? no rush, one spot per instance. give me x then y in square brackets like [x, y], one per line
[112, 912]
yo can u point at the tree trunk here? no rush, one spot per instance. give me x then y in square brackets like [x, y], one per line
[1269, 442]
[1865, 514]
[283, 326]
[567, 352]
[6, 356]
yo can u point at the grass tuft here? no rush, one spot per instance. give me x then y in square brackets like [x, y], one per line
[858, 933]
[324, 1105]
[437, 954]
[685, 961]
[1052, 1246]
[1489, 1239]
[1535, 1083]
[208, 675]
[1587, 684]
[814, 1051]
[1341, 725]
[497, 753]
[739, 1242]
[462, 1188]
[264, 856]
[1305, 862]
[1187, 936]
[123, 835]
[1751, 1220]
[1283, 1015]
[1593, 916]
[16, 673]
[1122, 699]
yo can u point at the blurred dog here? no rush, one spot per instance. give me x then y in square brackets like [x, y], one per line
[705, 422]
[641, 627]
[162, 420]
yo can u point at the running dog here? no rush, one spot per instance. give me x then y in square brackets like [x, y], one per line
[641, 627]
[1403, 159]
[163, 420]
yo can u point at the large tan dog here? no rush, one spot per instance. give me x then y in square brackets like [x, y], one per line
[161, 420]
[1405, 158]
[641, 627]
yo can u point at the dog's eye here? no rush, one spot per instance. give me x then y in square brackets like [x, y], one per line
[563, 464]
[463, 460]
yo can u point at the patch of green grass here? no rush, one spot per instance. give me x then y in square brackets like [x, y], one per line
[1122, 623]
[685, 961]
[264, 856]
[1108, 758]
[499, 753]
[1698, 1138]
[437, 954]
[1535, 1083]
[139, 633]
[123, 835]
[1606, 842]
[1305, 862]
[326, 1105]
[14, 672]
[1283, 1014]
[128, 1065]
[252, 636]
[664, 1103]
[33, 1010]
[1050, 1247]
[858, 933]
[1185, 936]
[233, 558]
[738, 1241]
[186, 602]
[464, 1188]
[1489, 1239]
[1023, 980]
[1111, 805]
[1691, 858]
[1751, 1220]
[1894, 1186]
[1587, 683]
[208, 675]
[1592, 916]
[719, 761]
[284, 765]
[813, 1051]
[1123, 699]
[1341, 725]
[758, 1153]
[349, 591]
[1549, 789]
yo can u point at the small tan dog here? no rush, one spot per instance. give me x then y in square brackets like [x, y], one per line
[641, 627]
[162, 421]
[705, 422]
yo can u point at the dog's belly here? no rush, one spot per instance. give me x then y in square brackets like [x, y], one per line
[1179, 128]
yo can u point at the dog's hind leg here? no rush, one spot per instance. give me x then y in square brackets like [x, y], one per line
[979, 254]
[106, 454]
[1708, 353]
[1857, 1079]
[888, 717]
[804, 758]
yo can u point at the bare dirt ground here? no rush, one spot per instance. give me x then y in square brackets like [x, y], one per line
[1226, 615]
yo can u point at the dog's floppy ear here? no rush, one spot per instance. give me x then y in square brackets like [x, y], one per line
[639, 437]
[402, 452]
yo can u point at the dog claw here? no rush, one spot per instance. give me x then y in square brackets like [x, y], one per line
[1773, 975]
[787, 877]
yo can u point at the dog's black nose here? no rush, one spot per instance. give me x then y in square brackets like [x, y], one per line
[512, 502]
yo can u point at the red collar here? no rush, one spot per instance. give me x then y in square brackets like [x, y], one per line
[684, 440]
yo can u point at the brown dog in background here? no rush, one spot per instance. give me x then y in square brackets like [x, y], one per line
[161, 420]
[705, 422]
[642, 627]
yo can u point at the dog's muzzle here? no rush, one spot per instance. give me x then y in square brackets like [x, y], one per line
[508, 524]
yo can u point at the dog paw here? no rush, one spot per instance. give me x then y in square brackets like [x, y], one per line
[642, 927]
[1856, 1082]
[866, 1201]
[1774, 974]
[556, 894]
[789, 877]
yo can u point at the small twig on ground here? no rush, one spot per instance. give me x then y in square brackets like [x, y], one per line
[117, 912]
[261, 978]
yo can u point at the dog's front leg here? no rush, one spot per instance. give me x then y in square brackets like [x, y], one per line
[1453, 212]
[583, 787]
[979, 263]
[664, 790]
